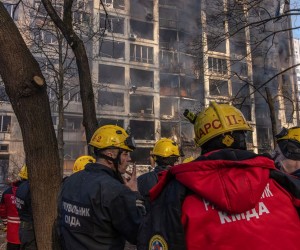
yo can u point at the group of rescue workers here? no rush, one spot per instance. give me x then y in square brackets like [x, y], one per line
[226, 198]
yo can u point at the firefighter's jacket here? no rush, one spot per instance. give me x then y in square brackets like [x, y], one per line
[226, 200]
[9, 213]
[97, 211]
[148, 180]
[23, 202]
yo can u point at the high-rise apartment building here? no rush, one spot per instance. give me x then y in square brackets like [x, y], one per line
[297, 61]
[151, 60]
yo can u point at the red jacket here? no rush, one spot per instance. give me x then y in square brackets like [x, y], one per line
[233, 204]
[9, 213]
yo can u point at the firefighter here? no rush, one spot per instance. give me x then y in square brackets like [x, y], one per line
[287, 151]
[9, 213]
[98, 208]
[165, 153]
[23, 204]
[224, 199]
[81, 161]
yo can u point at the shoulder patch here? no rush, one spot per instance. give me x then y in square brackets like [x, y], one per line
[157, 242]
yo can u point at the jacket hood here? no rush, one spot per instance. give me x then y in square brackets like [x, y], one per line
[233, 180]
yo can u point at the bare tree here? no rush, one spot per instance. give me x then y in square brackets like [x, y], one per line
[26, 88]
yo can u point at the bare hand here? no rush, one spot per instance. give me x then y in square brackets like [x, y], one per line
[131, 182]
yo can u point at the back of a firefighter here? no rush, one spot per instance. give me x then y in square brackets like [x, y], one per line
[225, 199]
[166, 153]
[9, 214]
[98, 209]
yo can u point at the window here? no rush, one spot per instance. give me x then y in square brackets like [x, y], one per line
[113, 24]
[117, 4]
[112, 49]
[139, 132]
[72, 123]
[168, 108]
[73, 150]
[170, 130]
[141, 156]
[81, 14]
[72, 94]
[111, 100]
[218, 87]
[142, 78]
[44, 36]
[109, 74]
[141, 29]
[139, 53]
[5, 122]
[217, 65]
[3, 147]
[141, 104]
[169, 84]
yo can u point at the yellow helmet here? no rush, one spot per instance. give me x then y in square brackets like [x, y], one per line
[289, 134]
[23, 172]
[218, 119]
[112, 136]
[166, 148]
[188, 159]
[82, 161]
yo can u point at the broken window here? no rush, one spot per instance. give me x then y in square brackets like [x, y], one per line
[168, 61]
[106, 121]
[168, 18]
[142, 130]
[263, 139]
[217, 65]
[187, 64]
[73, 150]
[218, 87]
[239, 68]
[72, 123]
[111, 101]
[170, 130]
[112, 49]
[216, 44]
[139, 53]
[141, 78]
[141, 9]
[5, 121]
[246, 110]
[168, 39]
[189, 87]
[114, 24]
[141, 156]
[140, 29]
[239, 89]
[169, 84]
[109, 74]
[169, 108]
[141, 104]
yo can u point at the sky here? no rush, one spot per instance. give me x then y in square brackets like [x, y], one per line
[295, 4]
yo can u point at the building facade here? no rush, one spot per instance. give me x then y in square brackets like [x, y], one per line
[151, 60]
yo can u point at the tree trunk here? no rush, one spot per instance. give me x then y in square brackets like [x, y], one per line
[90, 122]
[26, 88]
